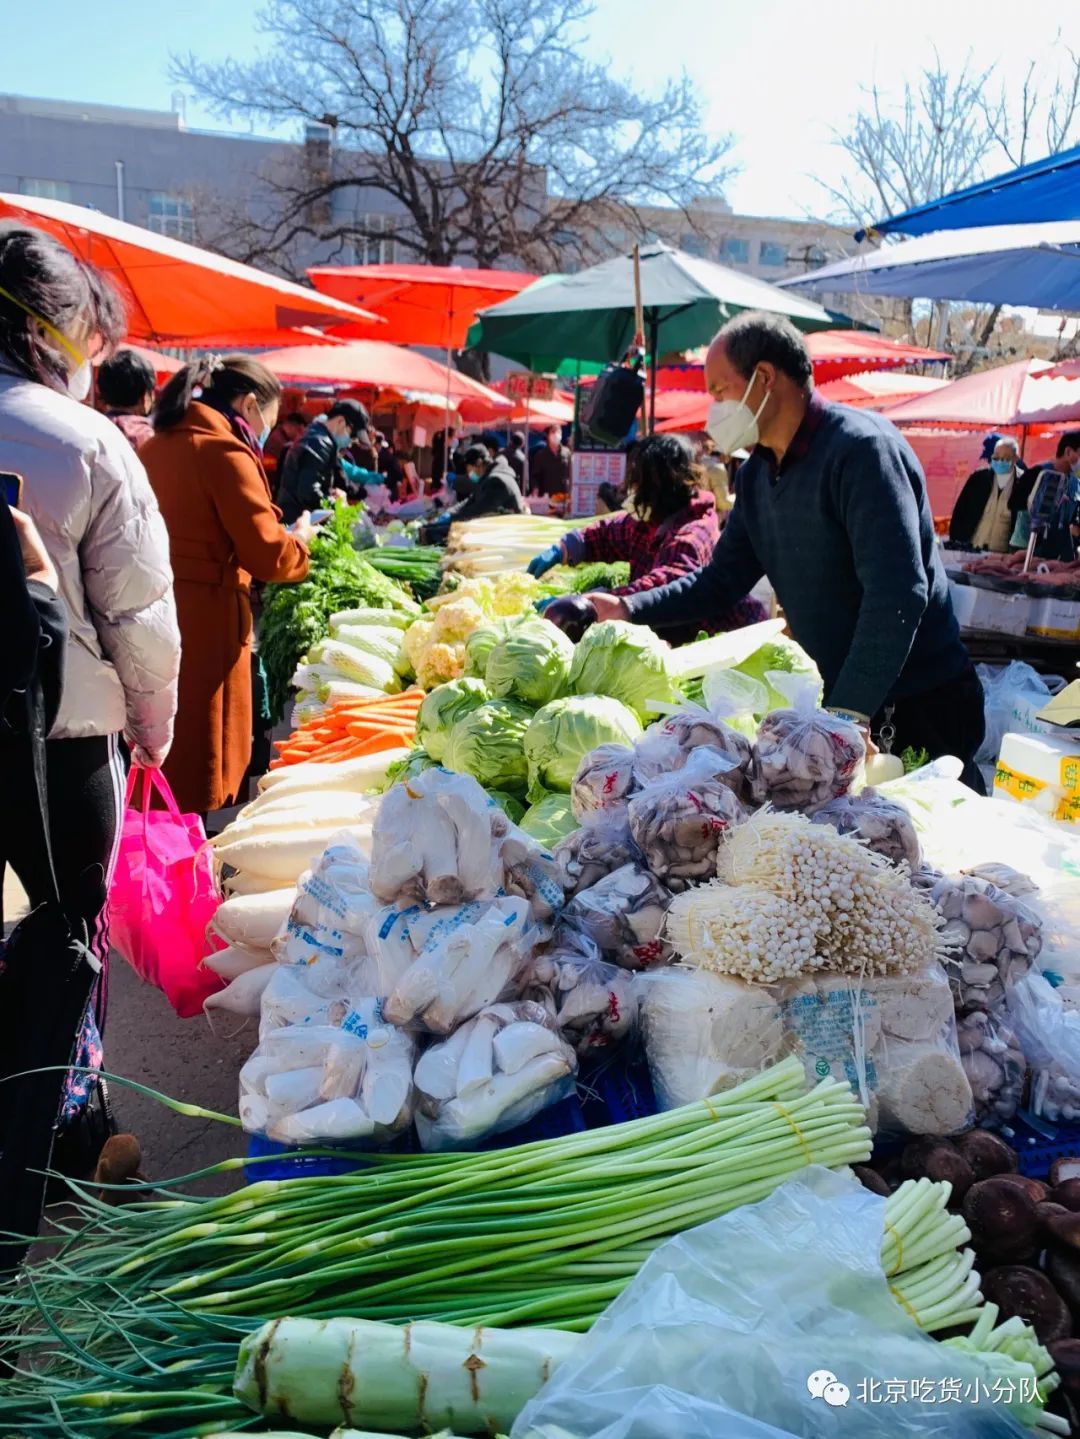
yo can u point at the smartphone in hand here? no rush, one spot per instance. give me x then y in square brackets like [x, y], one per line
[11, 485]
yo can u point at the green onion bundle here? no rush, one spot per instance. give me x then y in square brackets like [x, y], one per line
[134, 1323]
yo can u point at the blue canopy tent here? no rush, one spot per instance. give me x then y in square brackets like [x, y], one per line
[1032, 194]
[1036, 265]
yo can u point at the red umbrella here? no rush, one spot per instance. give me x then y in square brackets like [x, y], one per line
[164, 365]
[836, 353]
[422, 304]
[1027, 392]
[879, 389]
[180, 295]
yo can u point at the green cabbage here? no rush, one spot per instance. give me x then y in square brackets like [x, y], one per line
[780, 654]
[549, 820]
[566, 730]
[488, 744]
[531, 663]
[442, 709]
[511, 807]
[481, 642]
[624, 662]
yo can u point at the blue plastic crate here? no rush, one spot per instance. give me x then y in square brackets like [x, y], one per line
[1038, 1143]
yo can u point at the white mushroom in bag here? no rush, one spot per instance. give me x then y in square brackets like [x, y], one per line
[994, 1065]
[603, 783]
[433, 840]
[623, 915]
[883, 824]
[677, 821]
[592, 852]
[593, 1004]
[671, 742]
[993, 939]
[804, 756]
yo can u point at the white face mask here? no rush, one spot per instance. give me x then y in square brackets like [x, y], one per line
[732, 425]
[78, 382]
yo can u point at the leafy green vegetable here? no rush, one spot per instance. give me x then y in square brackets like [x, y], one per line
[597, 575]
[441, 710]
[531, 663]
[912, 758]
[625, 662]
[511, 807]
[549, 820]
[779, 654]
[296, 617]
[488, 744]
[565, 731]
[480, 644]
[410, 765]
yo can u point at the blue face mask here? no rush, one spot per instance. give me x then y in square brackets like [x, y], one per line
[1001, 467]
[264, 435]
[344, 440]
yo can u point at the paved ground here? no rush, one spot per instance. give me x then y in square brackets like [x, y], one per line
[183, 1058]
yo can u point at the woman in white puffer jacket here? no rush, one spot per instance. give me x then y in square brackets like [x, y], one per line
[89, 496]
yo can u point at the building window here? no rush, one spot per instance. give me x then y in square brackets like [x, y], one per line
[734, 251]
[376, 247]
[692, 244]
[173, 216]
[46, 189]
[773, 253]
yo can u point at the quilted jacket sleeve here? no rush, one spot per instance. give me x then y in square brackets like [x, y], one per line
[129, 589]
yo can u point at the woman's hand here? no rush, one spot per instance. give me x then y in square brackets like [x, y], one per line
[148, 758]
[36, 560]
[608, 607]
[303, 529]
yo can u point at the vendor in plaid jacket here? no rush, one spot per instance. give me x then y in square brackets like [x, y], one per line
[669, 529]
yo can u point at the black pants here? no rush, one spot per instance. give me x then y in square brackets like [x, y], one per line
[948, 720]
[86, 780]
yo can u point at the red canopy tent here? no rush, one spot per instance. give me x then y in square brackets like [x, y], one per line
[835, 354]
[879, 389]
[1027, 392]
[179, 295]
[164, 365]
[421, 304]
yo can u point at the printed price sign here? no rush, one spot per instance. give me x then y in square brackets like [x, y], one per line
[589, 470]
[523, 386]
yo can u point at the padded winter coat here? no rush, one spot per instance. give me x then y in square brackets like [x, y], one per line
[87, 492]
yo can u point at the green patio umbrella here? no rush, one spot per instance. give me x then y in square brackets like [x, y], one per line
[590, 315]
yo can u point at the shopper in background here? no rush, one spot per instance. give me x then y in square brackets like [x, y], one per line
[313, 472]
[206, 468]
[668, 529]
[492, 488]
[984, 516]
[87, 493]
[125, 385]
[831, 506]
[549, 466]
[515, 453]
[1053, 511]
[285, 433]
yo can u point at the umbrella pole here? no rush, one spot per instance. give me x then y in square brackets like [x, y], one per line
[528, 480]
[654, 340]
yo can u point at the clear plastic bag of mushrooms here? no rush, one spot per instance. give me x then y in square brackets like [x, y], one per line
[804, 757]
[623, 915]
[593, 1004]
[883, 824]
[603, 784]
[677, 819]
[993, 938]
[672, 743]
[593, 852]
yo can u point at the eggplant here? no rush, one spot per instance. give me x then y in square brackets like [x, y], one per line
[573, 614]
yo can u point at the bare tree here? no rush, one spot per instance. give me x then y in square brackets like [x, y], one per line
[479, 129]
[1040, 116]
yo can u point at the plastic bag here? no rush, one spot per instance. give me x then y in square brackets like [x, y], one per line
[465, 961]
[994, 939]
[893, 1039]
[594, 851]
[604, 782]
[492, 1074]
[678, 819]
[1049, 1035]
[804, 756]
[163, 896]
[883, 824]
[346, 1081]
[735, 698]
[722, 1327]
[434, 839]
[593, 1004]
[1013, 697]
[705, 1033]
[994, 1064]
[672, 742]
[623, 915]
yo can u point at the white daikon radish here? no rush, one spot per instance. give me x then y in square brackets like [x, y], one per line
[360, 774]
[319, 812]
[285, 854]
[308, 806]
[233, 960]
[244, 994]
[249, 883]
[336, 1119]
[252, 920]
[294, 1089]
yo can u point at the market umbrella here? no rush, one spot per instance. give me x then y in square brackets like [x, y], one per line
[591, 315]
[181, 295]
[163, 365]
[1045, 190]
[833, 353]
[1023, 393]
[387, 367]
[1036, 265]
[879, 389]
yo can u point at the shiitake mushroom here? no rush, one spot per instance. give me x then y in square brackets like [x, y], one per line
[1019, 1290]
[1003, 1220]
[986, 1153]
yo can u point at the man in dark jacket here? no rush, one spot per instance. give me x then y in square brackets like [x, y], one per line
[314, 469]
[495, 491]
[549, 466]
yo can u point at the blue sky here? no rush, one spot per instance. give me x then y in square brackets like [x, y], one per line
[780, 74]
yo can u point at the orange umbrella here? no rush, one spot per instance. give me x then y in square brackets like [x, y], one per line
[387, 367]
[178, 294]
[422, 304]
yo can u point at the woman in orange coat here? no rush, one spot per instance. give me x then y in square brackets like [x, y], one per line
[205, 464]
